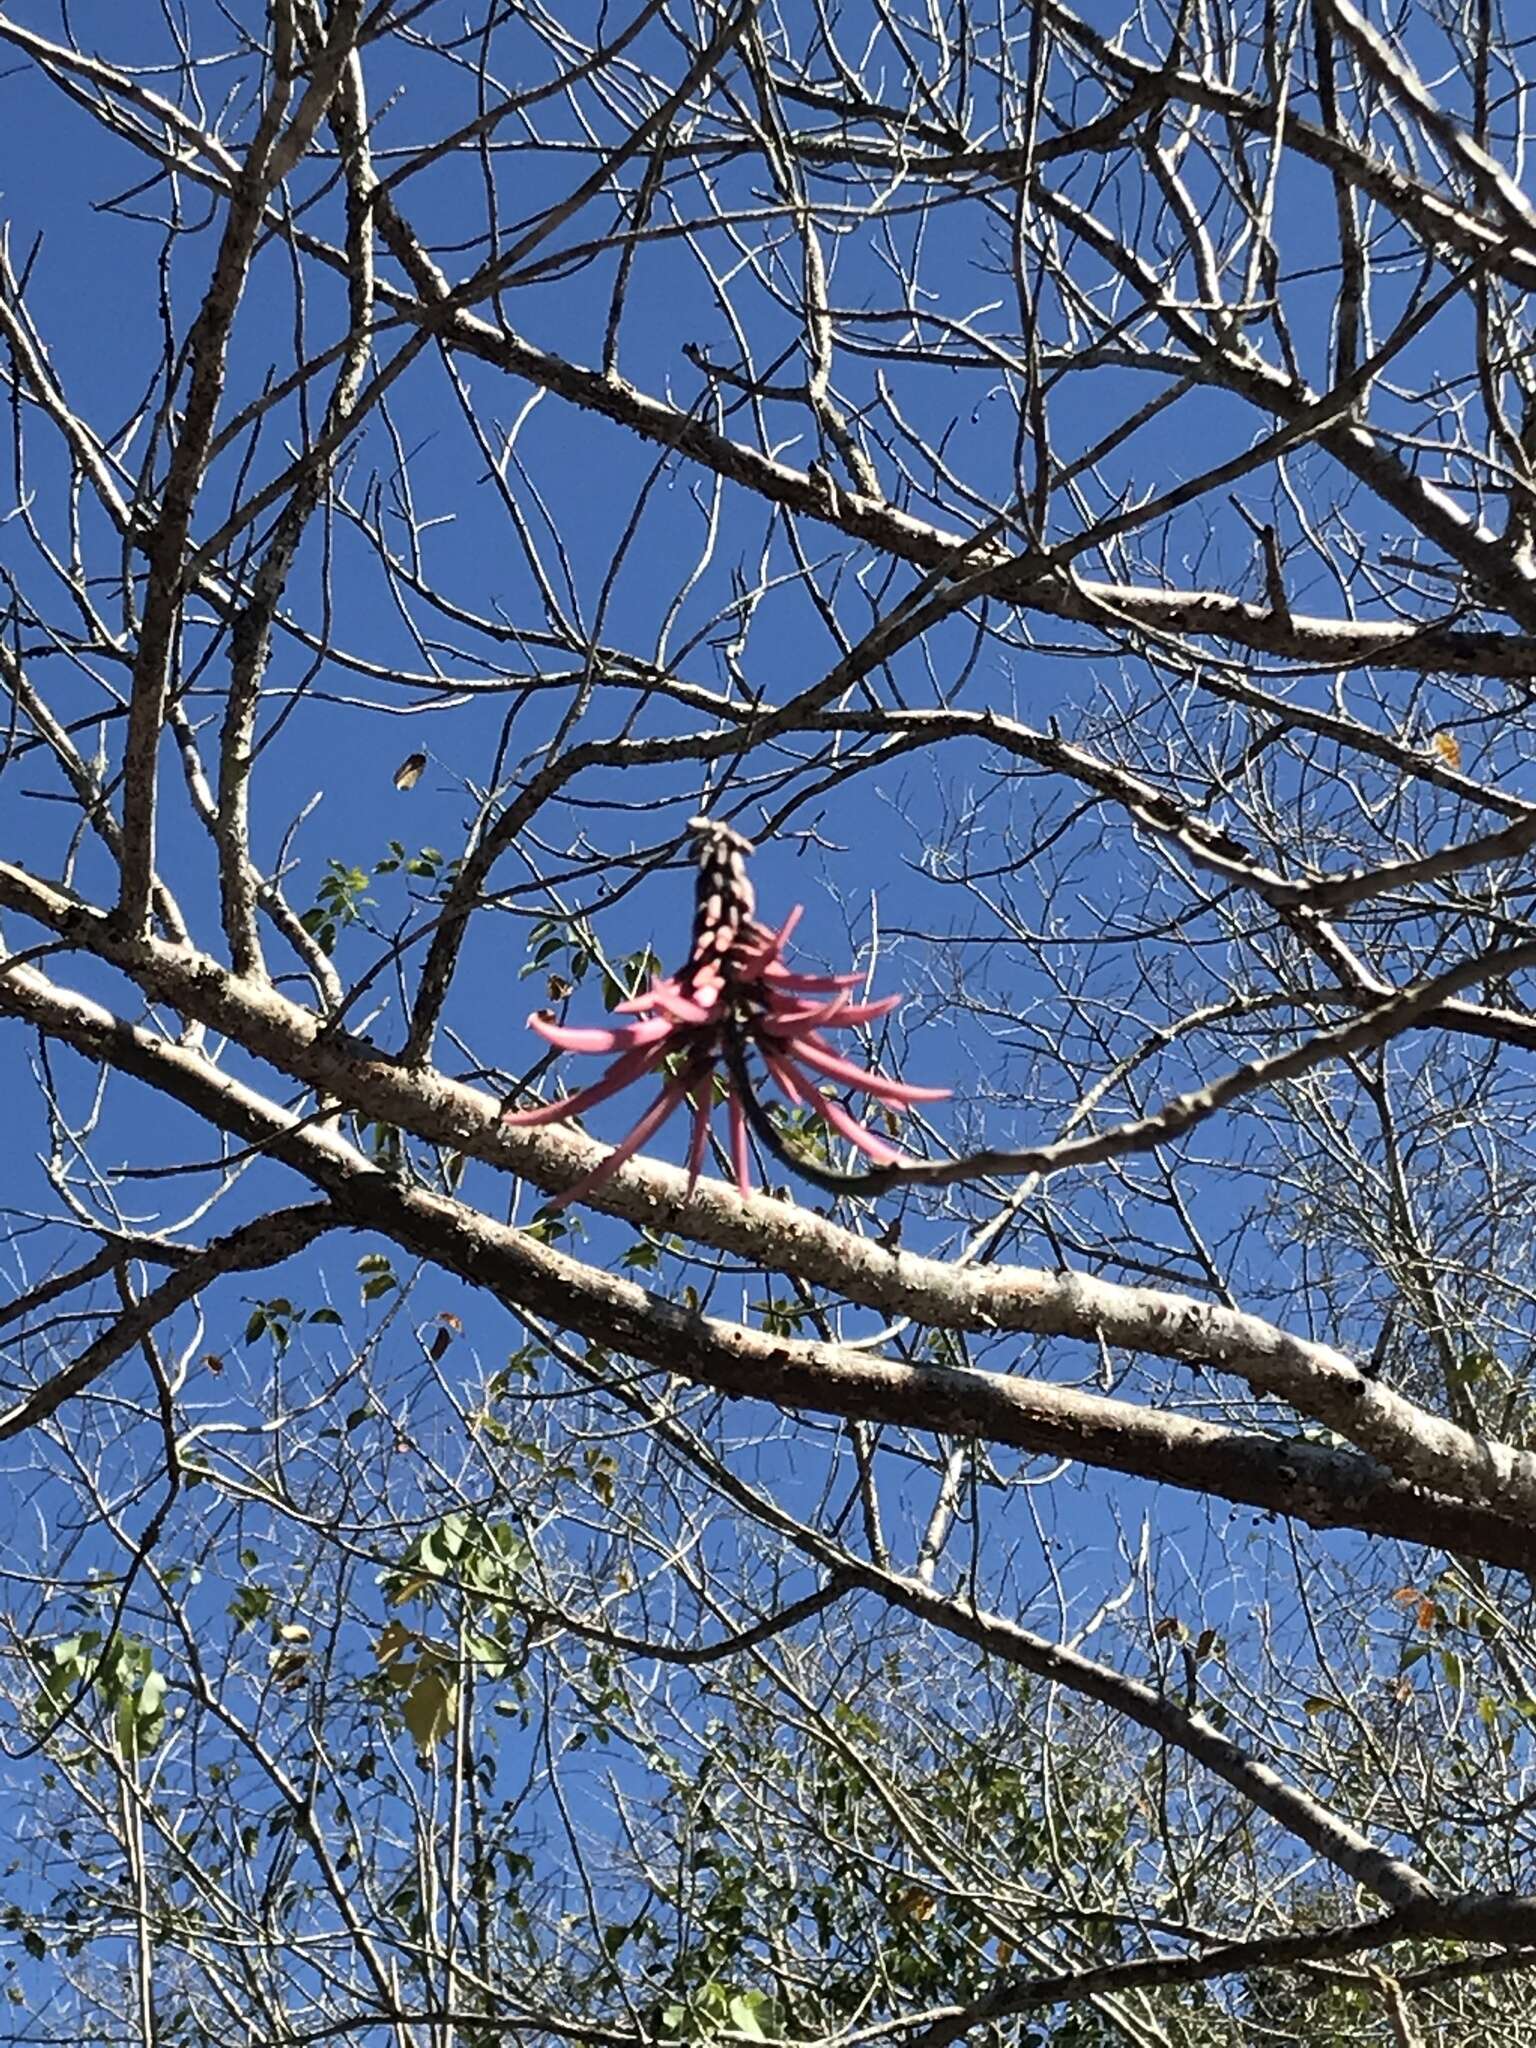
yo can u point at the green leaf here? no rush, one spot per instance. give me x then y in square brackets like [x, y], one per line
[745, 2014]
[249, 1605]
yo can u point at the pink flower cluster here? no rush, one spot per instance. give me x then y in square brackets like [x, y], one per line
[736, 991]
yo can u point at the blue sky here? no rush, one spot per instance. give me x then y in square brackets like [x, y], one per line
[869, 855]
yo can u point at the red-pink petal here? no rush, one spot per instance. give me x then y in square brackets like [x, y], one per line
[874, 1148]
[781, 936]
[788, 1014]
[647, 1127]
[812, 1053]
[646, 1000]
[596, 1037]
[628, 1067]
[673, 1003]
[699, 1141]
[785, 1014]
[781, 977]
[783, 1077]
[865, 1013]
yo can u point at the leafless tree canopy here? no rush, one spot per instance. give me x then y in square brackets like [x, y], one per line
[1063, 484]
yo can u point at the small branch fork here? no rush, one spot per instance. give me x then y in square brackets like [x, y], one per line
[267, 1241]
[274, 150]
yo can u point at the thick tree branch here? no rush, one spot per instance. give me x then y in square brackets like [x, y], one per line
[1494, 1919]
[1394, 1881]
[1464, 1494]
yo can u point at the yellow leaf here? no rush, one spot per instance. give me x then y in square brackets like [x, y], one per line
[1448, 747]
[413, 1587]
[916, 1904]
[429, 1708]
[393, 1638]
